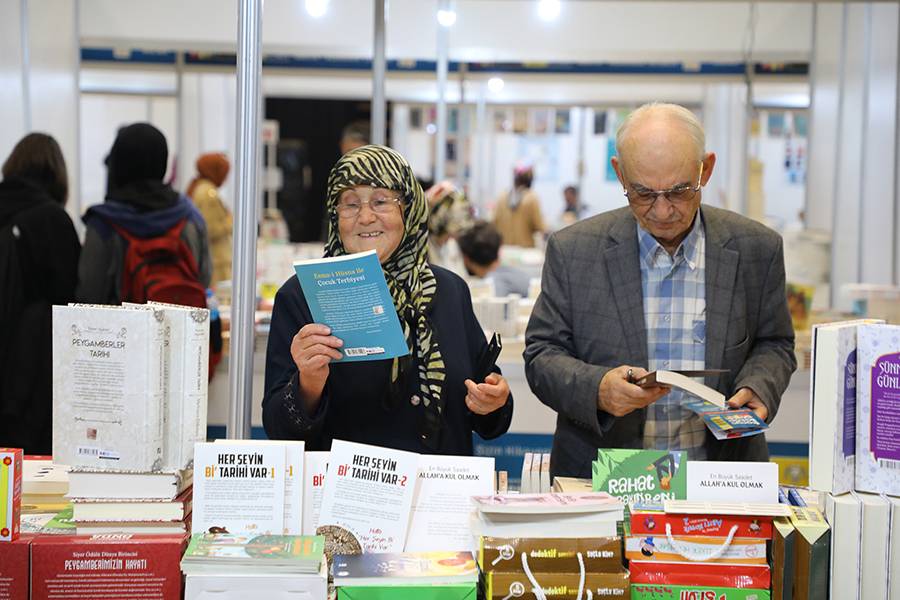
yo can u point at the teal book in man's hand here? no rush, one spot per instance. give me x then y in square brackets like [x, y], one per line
[350, 295]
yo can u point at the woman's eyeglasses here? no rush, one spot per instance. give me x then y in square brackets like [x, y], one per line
[351, 205]
[680, 194]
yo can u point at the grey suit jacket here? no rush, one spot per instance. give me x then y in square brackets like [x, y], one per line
[589, 319]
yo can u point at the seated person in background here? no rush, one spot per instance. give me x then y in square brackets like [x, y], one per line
[572, 207]
[38, 268]
[480, 247]
[423, 402]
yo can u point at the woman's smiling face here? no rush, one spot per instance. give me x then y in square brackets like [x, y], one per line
[370, 219]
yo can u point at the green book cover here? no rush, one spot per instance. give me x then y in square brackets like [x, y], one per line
[61, 523]
[662, 591]
[641, 476]
[409, 592]
[261, 549]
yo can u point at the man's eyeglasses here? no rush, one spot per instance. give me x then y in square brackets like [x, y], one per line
[680, 194]
[349, 206]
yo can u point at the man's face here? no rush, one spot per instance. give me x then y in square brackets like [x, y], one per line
[661, 155]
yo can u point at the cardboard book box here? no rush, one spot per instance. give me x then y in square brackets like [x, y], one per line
[653, 522]
[14, 565]
[783, 559]
[702, 574]
[812, 548]
[10, 493]
[559, 586]
[650, 591]
[121, 566]
[550, 555]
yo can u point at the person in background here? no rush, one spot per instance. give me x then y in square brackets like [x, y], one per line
[572, 207]
[355, 135]
[480, 247]
[449, 212]
[425, 401]
[662, 283]
[517, 215]
[39, 252]
[212, 169]
[140, 205]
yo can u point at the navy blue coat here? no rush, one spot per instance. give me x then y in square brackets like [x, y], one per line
[352, 406]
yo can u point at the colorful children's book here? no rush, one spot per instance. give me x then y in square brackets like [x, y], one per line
[641, 476]
[407, 568]
[657, 522]
[729, 423]
[689, 548]
[644, 591]
[350, 295]
[217, 552]
[701, 574]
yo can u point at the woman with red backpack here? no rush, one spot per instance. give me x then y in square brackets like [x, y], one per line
[146, 241]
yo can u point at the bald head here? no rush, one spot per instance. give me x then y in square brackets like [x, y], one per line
[662, 164]
[661, 125]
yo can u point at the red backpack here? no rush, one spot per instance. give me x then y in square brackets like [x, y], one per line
[161, 268]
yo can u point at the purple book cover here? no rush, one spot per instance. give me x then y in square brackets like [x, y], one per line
[878, 410]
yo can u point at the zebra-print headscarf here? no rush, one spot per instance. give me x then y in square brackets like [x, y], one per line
[409, 278]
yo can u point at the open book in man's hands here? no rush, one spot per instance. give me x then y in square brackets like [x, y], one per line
[682, 380]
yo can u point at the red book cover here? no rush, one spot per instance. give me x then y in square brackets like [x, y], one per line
[14, 568]
[706, 574]
[121, 566]
[654, 523]
[10, 493]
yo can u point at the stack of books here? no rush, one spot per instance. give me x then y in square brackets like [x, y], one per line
[44, 489]
[535, 473]
[130, 401]
[122, 502]
[703, 548]
[853, 456]
[562, 545]
[257, 566]
[406, 576]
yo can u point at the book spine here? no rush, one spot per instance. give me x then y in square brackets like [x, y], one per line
[174, 391]
[196, 381]
[157, 406]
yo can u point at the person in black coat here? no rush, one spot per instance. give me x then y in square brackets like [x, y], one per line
[423, 402]
[39, 252]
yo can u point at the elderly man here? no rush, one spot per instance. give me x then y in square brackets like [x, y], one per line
[661, 284]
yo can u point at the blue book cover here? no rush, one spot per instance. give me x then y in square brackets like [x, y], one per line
[350, 295]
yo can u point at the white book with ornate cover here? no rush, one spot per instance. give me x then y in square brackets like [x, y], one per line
[188, 381]
[108, 387]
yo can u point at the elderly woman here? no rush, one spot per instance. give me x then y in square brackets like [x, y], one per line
[423, 402]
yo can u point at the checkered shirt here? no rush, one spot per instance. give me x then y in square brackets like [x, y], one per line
[675, 316]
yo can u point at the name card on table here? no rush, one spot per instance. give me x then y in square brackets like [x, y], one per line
[710, 481]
